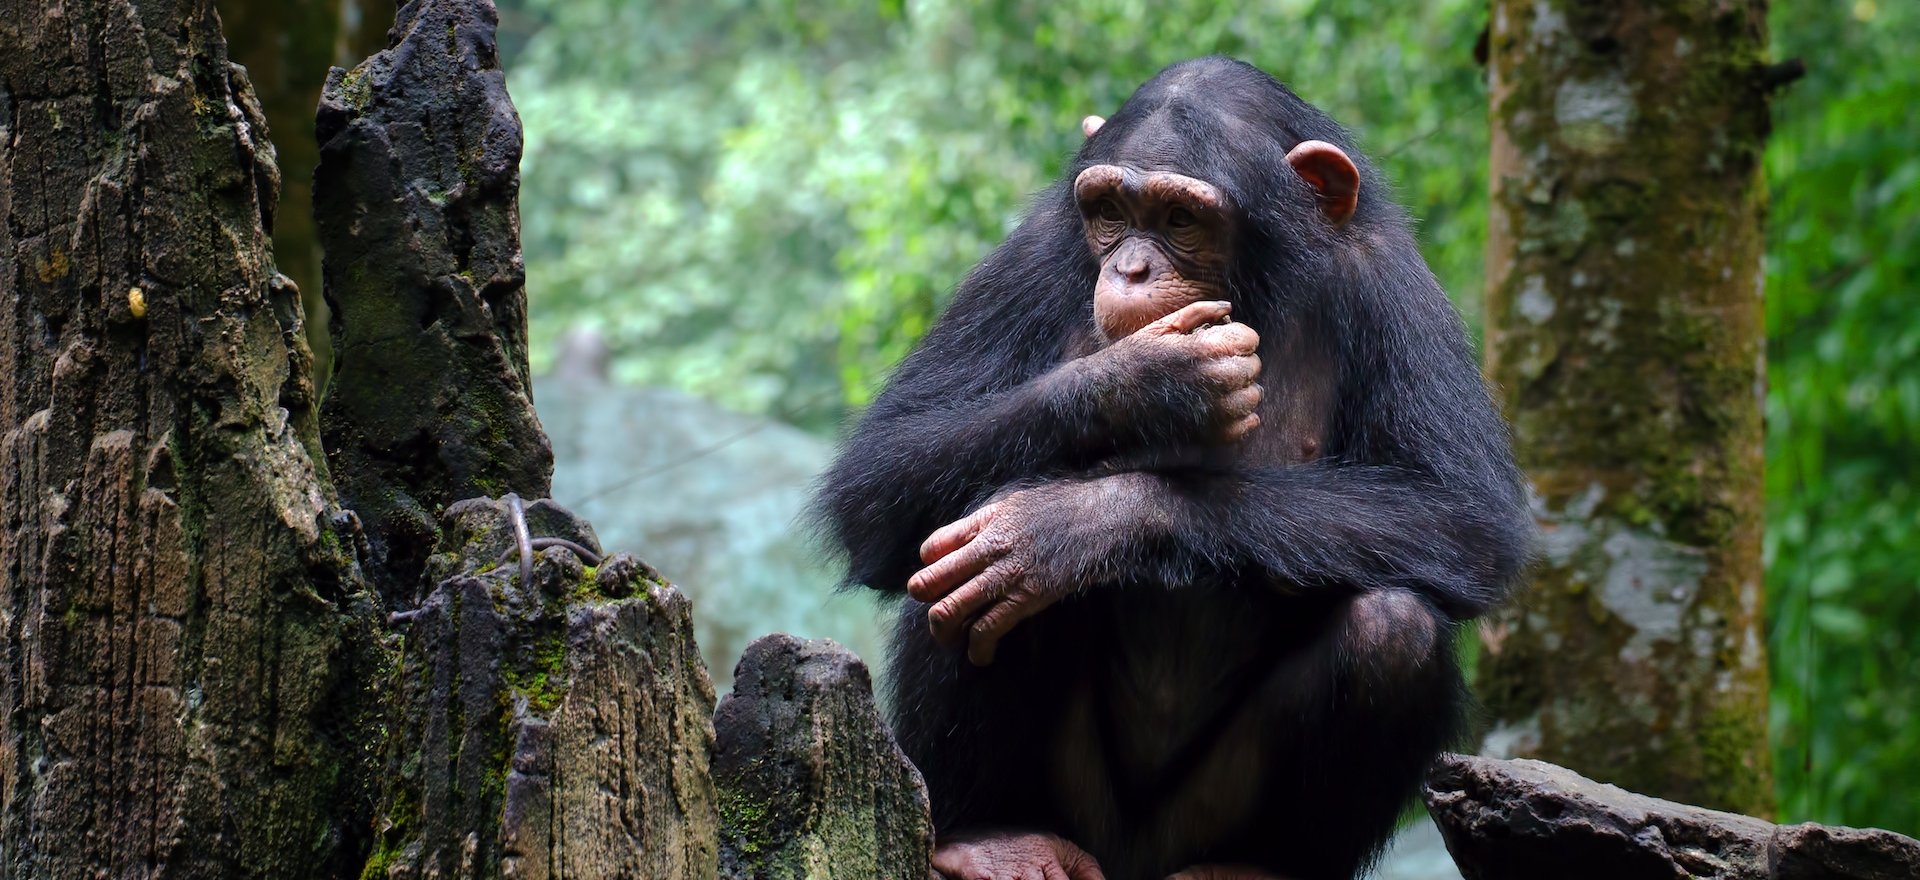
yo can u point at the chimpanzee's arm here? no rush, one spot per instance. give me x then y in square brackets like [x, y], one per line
[1297, 528]
[975, 406]
[1416, 491]
[1418, 488]
[991, 397]
[913, 466]
[1327, 526]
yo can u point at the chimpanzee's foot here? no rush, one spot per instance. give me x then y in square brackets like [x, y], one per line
[1223, 872]
[1008, 855]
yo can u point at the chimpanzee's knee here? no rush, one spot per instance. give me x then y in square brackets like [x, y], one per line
[1393, 634]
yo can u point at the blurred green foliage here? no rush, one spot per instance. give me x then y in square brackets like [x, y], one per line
[1843, 415]
[766, 201]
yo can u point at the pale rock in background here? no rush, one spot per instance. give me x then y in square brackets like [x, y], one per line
[710, 497]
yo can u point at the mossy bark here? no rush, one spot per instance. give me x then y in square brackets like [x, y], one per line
[287, 46]
[1624, 334]
[554, 727]
[179, 678]
[416, 202]
[551, 725]
[812, 785]
[198, 677]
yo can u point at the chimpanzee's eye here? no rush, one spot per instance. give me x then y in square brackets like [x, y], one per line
[1179, 218]
[1110, 212]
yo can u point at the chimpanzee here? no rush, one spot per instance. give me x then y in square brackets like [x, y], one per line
[1163, 619]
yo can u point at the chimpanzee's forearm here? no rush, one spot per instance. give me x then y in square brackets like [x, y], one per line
[910, 469]
[1305, 527]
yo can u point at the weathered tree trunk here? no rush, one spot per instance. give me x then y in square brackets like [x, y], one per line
[1624, 331]
[553, 722]
[547, 719]
[287, 46]
[180, 671]
[198, 676]
[416, 202]
[812, 784]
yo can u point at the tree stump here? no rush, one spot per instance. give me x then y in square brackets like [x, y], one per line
[415, 201]
[555, 727]
[181, 671]
[812, 784]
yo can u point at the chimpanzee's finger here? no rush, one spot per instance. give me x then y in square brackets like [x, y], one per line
[1232, 372]
[1239, 430]
[983, 638]
[956, 863]
[1228, 339]
[1189, 317]
[936, 581]
[956, 534]
[1078, 864]
[948, 617]
[1241, 403]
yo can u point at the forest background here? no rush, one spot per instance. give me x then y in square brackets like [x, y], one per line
[765, 202]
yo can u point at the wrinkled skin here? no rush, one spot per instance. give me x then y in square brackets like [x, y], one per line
[1255, 537]
[1014, 856]
[1028, 856]
[1163, 241]
[983, 575]
[1192, 342]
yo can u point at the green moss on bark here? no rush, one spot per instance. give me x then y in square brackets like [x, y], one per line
[416, 204]
[187, 639]
[1624, 333]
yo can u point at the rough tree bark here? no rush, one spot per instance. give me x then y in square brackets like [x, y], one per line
[287, 46]
[1624, 331]
[181, 622]
[416, 202]
[812, 785]
[551, 719]
[211, 667]
[552, 722]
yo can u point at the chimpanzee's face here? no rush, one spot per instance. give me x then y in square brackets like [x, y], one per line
[1162, 239]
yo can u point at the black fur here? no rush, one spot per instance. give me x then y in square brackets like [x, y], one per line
[1265, 670]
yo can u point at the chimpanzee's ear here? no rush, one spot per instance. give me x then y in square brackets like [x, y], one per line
[1091, 124]
[1332, 175]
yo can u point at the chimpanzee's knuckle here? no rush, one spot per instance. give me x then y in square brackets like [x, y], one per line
[1221, 340]
[1248, 399]
[1230, 374]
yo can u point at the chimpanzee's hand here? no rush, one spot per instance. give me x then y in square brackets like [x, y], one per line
[985, 573]
[1014, 856]
[1166, 361]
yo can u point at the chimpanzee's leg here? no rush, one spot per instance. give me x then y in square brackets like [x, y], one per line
[977, 734]
[1351, 726]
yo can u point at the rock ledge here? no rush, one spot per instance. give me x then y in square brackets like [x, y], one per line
[1508, 820]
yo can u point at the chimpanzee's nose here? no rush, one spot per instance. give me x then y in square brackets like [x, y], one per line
[1134, 265]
